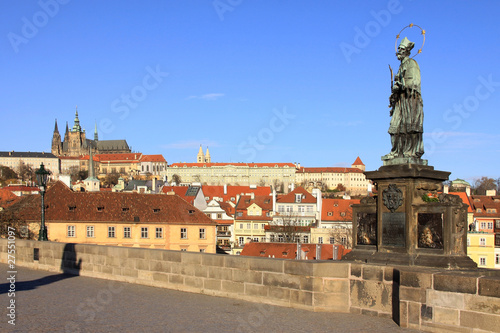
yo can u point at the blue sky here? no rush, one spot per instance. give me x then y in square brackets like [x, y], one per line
[254, 80]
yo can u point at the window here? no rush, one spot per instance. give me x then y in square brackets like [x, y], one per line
[125, 209]
[468, 241]
[482, 241]
[100, 208]
[159, 233]
[144, 232]
[183, 250]
[241, 241]
[281, 208]
[332, 240]
[71, 231]
[241, 225]
[272, 238]
[72, 208]
[90, 231]
[320, 240]
[490, 225]
[202, 250]
[202, 233]
[298, 197]
[309, 209]
[111, 232]
[497, 223]
[280, 238]
[256, 226]
[306, 239]
[219, 216]
[184, 234]
[263, 226]
[483, 225]
[256, 239]
[497, 259]
[482, 261]
[344, 240]
[249, 226]
[126, 232]
[302, 208]
[156, 210]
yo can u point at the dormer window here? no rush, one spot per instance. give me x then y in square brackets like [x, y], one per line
[156, 210]
[125, 209]
[72, 208]
[100, 208]
[298, 197]
[330, 213]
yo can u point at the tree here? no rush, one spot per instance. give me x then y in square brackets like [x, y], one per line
[25, 172]
[14, 218]
[483, 184]
[176, 179]
[342, 235]
[6, 174]
[340, 187]
[110, 180]
[286, 226]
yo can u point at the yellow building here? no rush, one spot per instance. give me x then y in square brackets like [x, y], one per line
[481, 248]
[124, 219]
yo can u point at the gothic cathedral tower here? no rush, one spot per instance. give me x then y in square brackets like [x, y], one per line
[56, 142]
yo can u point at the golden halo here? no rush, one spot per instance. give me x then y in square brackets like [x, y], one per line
[411, 25]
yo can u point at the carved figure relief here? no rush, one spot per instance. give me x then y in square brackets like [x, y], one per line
[392, 197]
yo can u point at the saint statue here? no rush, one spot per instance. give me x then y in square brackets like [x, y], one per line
[406, 128]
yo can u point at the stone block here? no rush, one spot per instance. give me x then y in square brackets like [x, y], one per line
[137, 253]
[445, 299]
[281, 280]
[212, 284]
[403, 314]
[455, 282]
[375, 273]
[111, 261]
[296, 267]
[155, 254]
[337, 302]
[256, 290]
[415, 279]
[266, 264]
[176, 268]
[481, 321]
[371, 295]
[174, 256]
[332, 269]
[426, 312]
[311, 284]
[194, 281]
[489, 286]
[301, 297]
[356, 270]
[336, 286]
[446, 316]
[279, 293]
[129, 272]
[237, 262]
[490, 305]
[220, 273]
[200, 271]
[176, 279]
[142, 264]
[191, 258]
[414, 313]
[107, 270]
[370, 313]
[188, 270]
[145, 275]
[160, 277]
[160, 266]
[388, 274]
[213, 260]
[412, 294]
[247, 276]
[233, 287]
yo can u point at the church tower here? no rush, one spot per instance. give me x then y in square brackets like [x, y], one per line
[207, 157]
[56, 148]
[200, 158]
[92, 184]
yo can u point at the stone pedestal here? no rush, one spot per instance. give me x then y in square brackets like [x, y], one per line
[408, 222]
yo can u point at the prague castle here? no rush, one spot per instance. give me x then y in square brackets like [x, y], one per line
[75, 142]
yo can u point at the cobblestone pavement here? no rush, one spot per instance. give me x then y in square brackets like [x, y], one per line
[52, 302]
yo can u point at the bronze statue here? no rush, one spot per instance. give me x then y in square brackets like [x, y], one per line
[406, 128]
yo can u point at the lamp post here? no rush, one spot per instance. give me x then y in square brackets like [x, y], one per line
[41, 179]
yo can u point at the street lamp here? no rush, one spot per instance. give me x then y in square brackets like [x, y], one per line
[41, 179]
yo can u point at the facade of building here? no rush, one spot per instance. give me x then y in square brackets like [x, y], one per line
[152, 164]
[263, 174]
[252, 215]
[353, 178]
[13, 160]
[481, 248]
[76, 143]
[124, 164]
[124, 219]
[295, 251]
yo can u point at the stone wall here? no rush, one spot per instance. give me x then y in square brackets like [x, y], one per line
[426, 299]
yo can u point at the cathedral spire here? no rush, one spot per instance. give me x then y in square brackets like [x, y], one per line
[56, 130]
[77, 127]
[207, 157]
[200, 157]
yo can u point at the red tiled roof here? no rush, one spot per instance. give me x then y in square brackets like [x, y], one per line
[329, 170]
[212, 191]
[358, 162]
[465, 200]
[290, 197]
[22, 188]
[87, 157]
[180, 191]
[289, 250]
[485, 202]
[227, 208]
[7, 198]
[153, 158]
[66, 205]
[251, 165]
[331, 209]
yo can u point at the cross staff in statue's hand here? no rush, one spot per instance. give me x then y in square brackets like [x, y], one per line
[391, 98]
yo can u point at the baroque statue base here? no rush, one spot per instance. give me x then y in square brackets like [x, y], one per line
[403, 160]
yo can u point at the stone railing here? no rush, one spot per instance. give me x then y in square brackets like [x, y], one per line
[421, 298]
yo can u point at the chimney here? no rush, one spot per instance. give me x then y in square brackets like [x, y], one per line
[225, 189]
[467, 190]
[491, 193]
[252, 195]
[446, 188]
[274, 199]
